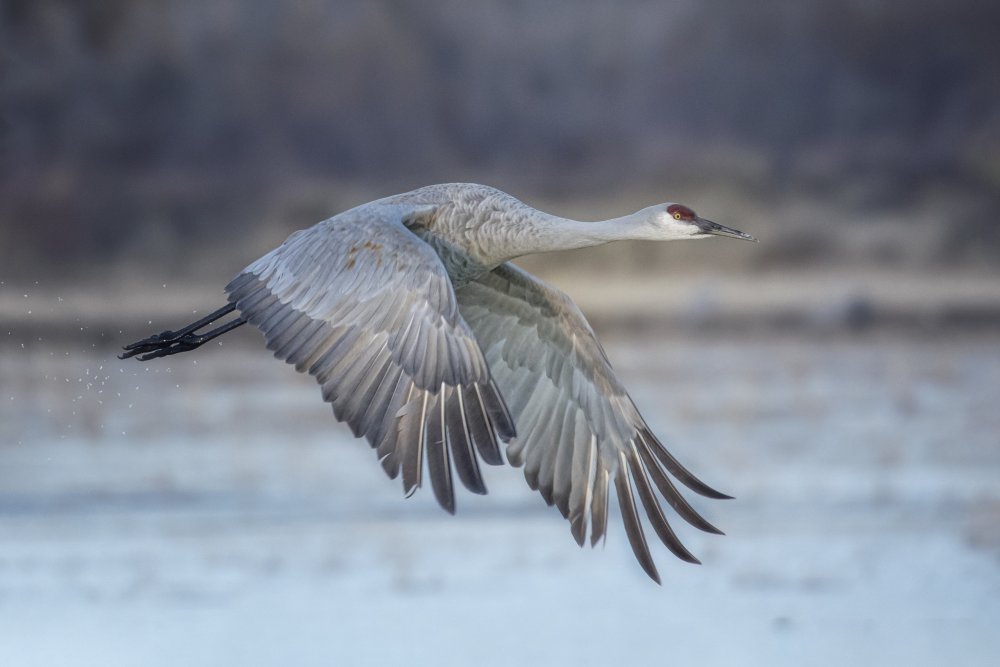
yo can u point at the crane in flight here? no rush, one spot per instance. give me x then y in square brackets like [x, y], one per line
[432, 345]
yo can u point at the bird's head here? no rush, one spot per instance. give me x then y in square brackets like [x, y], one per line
[676, 221]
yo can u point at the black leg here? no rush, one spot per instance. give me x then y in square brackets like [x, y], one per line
[166, 343]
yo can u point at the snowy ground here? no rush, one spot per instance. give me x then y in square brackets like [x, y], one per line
[209, 511]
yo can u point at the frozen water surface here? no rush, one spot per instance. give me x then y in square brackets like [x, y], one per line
[209, 511]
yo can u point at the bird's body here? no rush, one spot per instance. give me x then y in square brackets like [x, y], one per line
[431, 345]
[475, 228]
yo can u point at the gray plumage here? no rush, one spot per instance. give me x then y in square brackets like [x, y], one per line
[431, 345]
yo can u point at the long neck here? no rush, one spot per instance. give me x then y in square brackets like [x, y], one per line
[528, 231]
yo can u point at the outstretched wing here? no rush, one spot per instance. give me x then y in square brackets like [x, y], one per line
[366, 307]
[578, 430]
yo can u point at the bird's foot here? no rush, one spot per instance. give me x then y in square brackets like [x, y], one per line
[166, 343]
[161, 345]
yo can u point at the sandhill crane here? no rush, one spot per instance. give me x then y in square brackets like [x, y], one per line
[428, 342]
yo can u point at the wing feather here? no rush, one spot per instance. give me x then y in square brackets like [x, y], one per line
[562, 475]
[630, 517]
[377, 400]
[413, 435]
[388, 431]
[578, 430]
[582, 484]
[653, 510]
[670, 492]
[366, 307]
[599, 505]
[438, 463]
[479, 427]
[460, 441]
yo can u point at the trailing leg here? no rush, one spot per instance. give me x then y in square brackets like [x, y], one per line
[166, 343]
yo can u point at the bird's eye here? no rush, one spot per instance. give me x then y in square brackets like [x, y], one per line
[680, 212]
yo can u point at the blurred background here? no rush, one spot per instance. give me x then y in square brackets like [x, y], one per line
[839, 378]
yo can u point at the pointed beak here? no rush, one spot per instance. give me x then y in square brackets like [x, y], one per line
[709, 227]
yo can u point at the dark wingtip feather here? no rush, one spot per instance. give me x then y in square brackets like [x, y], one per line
[708, 492]
[655, 513]
[479, 426]
[685, 476]
[438, 461]
[496, 407]
[630, 517]
[460, 441]
[578, 527]
[390, 464]
[449, 508]
[670, 492]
